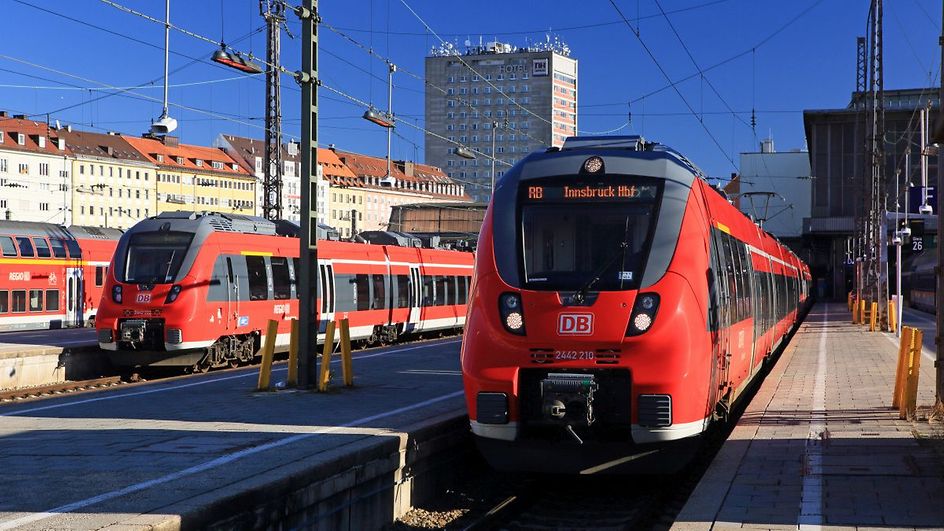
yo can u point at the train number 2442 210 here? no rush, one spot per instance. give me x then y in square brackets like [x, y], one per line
[573, 354]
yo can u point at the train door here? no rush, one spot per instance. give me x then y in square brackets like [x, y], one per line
[326, 293]
[75, 303]
[416, 301]
[232, 296]
[719, 320]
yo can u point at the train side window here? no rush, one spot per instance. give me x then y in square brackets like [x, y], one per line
[429, 290]
[99, 276]
[58, 249]
[346, 295]
[463, 290]
[296, 272]
[36, 300]
[379, 294]
[321, 289]
[258, 283]
[9, 248]
[42, 248]
[403, 291]
[52, 300]
[74, 250]
[26, 247]
[450, 283]
[362, 285]
[440, 291]
[281, 280]
[19, 301]
[4, 301]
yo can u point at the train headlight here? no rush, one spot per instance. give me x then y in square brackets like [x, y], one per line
[644, 313]
[512, 314]
[642, 322]
[172, 294]
[116, 293]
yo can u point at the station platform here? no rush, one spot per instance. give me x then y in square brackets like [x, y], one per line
[207, 451]
[819, 445]
[42, 357]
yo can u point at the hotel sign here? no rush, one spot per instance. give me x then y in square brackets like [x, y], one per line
[539, 67]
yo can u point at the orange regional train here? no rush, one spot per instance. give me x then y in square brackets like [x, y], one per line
[619, 306]
[52, 276]
[196, 290]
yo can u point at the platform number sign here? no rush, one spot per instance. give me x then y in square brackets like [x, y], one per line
[917, 235]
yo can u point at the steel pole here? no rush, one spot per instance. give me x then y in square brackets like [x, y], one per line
[166, 50]
[939, 303]
[491, 191]
[390, 70]
[308, 323]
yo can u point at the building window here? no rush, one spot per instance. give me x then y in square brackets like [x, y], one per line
[24, 168]
[43, 168]
[44, 207]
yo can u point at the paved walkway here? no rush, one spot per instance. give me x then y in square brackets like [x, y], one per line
[820, 446]
[189, 452]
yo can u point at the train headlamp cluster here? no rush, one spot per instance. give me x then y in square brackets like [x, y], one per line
[593, 165]
[172, 294]
[644, 313]
[512, 314]
[116, 293]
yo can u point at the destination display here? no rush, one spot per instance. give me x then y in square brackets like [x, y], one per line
[588, 192]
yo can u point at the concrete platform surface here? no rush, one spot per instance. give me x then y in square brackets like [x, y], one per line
[42, 357]
[820, 446]
[207, 451]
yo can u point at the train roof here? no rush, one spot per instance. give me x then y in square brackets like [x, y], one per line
[95, 233]
[212, 222]
[633, 143]
[34, 228]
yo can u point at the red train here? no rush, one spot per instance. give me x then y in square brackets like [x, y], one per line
[52, 276]
[197, 290]
[619, 306]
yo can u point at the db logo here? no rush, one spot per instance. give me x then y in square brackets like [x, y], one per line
[143, 297]
[575, 324]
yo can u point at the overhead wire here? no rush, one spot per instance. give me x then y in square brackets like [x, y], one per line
[373, 53]
[669, 79]
[723, 62]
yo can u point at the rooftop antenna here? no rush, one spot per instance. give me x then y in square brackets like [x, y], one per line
[165, 124]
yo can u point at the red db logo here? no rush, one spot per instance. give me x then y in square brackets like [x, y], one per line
[575, 324]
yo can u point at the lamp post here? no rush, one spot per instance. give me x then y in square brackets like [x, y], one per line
[494, 128]
[385, 121]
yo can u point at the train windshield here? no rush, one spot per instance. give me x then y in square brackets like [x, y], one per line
[586, 235]
[155, 257]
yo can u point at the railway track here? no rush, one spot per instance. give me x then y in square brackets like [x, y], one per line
[43, 391]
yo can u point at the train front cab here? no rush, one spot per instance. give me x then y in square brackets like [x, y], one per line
[571, 369]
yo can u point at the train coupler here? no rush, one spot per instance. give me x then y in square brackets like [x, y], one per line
[568, 400]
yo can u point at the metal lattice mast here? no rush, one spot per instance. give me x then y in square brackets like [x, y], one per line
[876, 274]
[273, 11]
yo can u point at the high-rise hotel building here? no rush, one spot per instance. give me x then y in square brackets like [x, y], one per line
[523, 99]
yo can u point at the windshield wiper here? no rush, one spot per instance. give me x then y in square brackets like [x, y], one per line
[581, 294]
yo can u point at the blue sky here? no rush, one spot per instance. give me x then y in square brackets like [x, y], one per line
[809, 64]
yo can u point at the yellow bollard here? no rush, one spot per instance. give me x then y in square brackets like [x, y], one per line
[892, 316]
[873, 318]
[862, 311]
[855, 313]
[909, 400]
[849, 301]
[325, 373]
[292, 379]
[347, 366]
[268, 351]
[904, 347]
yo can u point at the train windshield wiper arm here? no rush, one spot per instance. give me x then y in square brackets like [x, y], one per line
[598, 274]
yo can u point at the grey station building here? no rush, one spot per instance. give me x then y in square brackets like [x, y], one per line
[518, 100]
